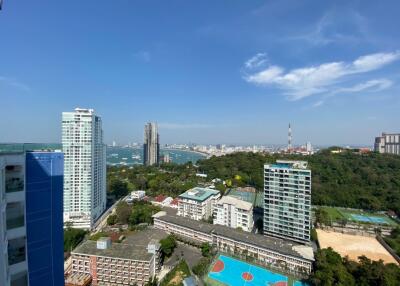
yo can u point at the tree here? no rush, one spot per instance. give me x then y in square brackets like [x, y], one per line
[112, 219]
[201, 267]
[72, 237]
[123, 212]
[168, 245]
[205, 249]
[322, 217]
[118, 188]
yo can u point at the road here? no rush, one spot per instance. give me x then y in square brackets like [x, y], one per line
[102, 221]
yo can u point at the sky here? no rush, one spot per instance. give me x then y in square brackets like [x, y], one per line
[232, 72]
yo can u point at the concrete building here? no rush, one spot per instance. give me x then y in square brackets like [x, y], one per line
[270, 251]
[84, 168]
[31, 225]
[151, 146]
[233, 212]
[197, 203]
[287, 200]
[133, 261]
[138, 195]
[388, 143]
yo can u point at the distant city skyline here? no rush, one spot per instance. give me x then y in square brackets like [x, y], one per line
[208, 72]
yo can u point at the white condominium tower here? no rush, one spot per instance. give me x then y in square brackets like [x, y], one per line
[151, 146]
[388, 143]
[287, 200]
[84, 168]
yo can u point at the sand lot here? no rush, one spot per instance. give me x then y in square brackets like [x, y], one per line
[354, 246]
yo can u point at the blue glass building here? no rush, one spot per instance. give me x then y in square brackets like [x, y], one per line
[44, 218]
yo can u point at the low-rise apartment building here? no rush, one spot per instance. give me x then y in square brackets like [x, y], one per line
[233, 212]
[197, 203]
[272, 252]
[134, 261]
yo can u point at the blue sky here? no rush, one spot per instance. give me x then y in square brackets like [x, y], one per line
[206, 71]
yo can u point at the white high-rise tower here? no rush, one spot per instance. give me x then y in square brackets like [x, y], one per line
[84, 168]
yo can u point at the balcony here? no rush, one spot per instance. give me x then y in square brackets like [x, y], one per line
[14, 185]
[20, 279]
[15, 215]
[16, 251]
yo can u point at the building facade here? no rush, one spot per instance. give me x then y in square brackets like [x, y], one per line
[132, 262]
[31, 224]
[151, 146]
[84, 168]
[287, 200]
[234, 213]
[388, 143]
[269, 251]
[198, 203]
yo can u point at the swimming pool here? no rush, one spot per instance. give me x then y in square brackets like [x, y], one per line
[234, 272]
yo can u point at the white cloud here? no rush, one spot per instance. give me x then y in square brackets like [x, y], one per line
[15, 83]
[371, 85]
[184, 125]
[336, 26]
[258, 60]
[302, 82]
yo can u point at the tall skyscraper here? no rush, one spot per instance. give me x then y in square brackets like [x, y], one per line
[388, 143]
[151, 146]
[289, 147]
[31, 228]
[287, 200]
[84, 168]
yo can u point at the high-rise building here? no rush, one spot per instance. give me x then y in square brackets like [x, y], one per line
[31, 228]
[287, 200]
[151, 146]
[84, 168]
[388, 143]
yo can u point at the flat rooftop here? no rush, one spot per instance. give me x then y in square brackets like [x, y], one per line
[198, 194]
[289, 164]
[133, 247]
[272, 243]
[238, 203]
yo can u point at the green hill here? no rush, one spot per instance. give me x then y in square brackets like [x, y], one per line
[348, 179]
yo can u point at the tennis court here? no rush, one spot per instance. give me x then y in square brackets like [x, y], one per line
[369, 219]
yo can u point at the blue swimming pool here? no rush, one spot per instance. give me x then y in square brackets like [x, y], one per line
[233, 272]
[370, 219]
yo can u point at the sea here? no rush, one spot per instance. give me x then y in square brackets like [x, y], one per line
[116, 156]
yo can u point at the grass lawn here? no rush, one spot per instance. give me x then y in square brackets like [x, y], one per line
[333, 213]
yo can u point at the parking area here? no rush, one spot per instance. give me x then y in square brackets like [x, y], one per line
[190, 254]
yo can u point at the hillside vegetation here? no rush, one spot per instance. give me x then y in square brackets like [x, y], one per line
[348, 179]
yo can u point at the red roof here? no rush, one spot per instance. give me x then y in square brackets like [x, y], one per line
[174, 201]
[160, 198]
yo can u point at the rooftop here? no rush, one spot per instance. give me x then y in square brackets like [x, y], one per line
[238, 203]
[290, 164]
[198, 194]
[134, 246]
[272, 243]
[15, 148]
